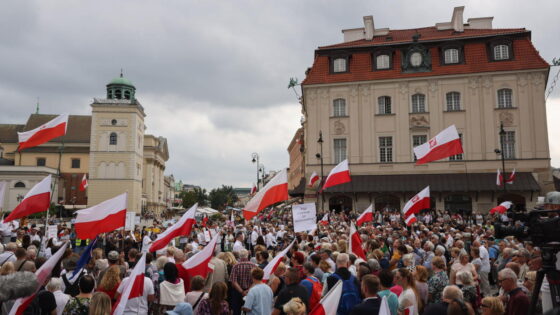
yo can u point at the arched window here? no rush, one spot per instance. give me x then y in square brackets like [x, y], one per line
[453, 101]
[127, 95]
[339, 65]
[418, 103]
[118, 94]
[19, 185]
[339, 107]
[504, 98]
[451, 55]
[383, 62]
[384, 103]
[113, 138]
[501, 52]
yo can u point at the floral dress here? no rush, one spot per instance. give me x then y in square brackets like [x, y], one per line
[205, 309]
[436, 284]
[77, 306]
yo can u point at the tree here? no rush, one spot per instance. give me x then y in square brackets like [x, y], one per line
[196, 195]
[222, 197]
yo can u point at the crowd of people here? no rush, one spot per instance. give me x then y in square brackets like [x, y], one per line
[444, 264]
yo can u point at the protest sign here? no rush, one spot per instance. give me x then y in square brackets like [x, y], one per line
[305, 217]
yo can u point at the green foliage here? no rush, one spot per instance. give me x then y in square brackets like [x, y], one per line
[216, 217]
[191, 197]
[222, 197]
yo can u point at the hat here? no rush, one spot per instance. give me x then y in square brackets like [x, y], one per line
[70, 263]
[181, 309]
[113, 255]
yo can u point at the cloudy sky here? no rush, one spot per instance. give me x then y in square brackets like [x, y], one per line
[212, 75]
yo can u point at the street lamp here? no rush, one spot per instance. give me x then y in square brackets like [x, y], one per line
[320, 157]
[255, 157]
[502, 134]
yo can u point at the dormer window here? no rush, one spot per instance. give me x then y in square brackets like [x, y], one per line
[501, 52]
[339, 64]
[382, 62]
[451, 56]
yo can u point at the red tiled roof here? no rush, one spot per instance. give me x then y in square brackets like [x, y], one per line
[426, 34]
[525, 57]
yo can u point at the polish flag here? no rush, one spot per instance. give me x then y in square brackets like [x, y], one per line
[419, 202]
[273, 264]
[366, 216]
[313, 179]
[36, 200]
[384, 307]
[276, 190]
[443, 145]
[253, 190]
[44, 133]
[410, 219]
[356, 243]
[84, 183]
[325, 220]
[104, 217]
[502, 207]
[183, 227]
[499, 178]
[329, 303]
[340, 174]
[198, 264]
[511, 178]
[43, 274]
[133, 288]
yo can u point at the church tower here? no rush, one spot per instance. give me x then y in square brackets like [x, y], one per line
[116, 145]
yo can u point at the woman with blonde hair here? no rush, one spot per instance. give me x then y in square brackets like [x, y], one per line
[409, 296]
[100, 304]
[7, 269]
[421, 277]
[492, 306]
[295, 306]
[110, 282]
[276, 281]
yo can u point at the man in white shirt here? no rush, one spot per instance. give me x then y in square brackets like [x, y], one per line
[254, 236]
[270, 240]
[138, 305]
[484, 268]
[8, 254]
[238, 245]
[55, 287]
[146, 242]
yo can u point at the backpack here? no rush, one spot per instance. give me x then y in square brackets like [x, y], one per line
[72, 289]
[350, 295]
[316, 292]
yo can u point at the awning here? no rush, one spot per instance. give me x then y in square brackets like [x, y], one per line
[456, 182]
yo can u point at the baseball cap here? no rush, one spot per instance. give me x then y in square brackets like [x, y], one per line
[181, 309]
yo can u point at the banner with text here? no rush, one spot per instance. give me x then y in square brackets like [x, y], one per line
[305, 217]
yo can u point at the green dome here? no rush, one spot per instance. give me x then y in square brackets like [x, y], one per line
[121, 81]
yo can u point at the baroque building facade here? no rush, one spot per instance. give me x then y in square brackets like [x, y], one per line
[382, 92]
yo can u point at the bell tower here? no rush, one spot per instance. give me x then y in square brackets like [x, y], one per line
[116, 145]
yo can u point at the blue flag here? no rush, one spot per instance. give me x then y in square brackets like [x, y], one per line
[84, 260]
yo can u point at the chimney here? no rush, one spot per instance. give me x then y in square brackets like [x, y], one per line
[368, 26]
[457, 19]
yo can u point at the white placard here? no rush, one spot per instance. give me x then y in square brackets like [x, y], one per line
[137, 220]
[305, 217]
[130, 221]
[3, 186]
[52, 231]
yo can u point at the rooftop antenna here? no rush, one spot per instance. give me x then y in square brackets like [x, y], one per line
[37, 109]
[121, 73]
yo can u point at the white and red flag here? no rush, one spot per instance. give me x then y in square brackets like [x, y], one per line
[329, 303]
[313, 179]
[511, 178]
[340, 174]
[36, 200]
[198, 264]
[419, 202]
[325, 220]
[133, 288]
[84, 183]
[410, 219]
[366, 216]
[443, 145]
[273, 264]
[44, 133]
[104, 217]
[183, 227]
[499, 178]
[356, 247]
[43, 274]
[502, 207]
[384, 307]
[274, 191]
[253, 190]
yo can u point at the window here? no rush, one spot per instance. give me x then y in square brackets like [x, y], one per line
[113, 138]
[504, 98]
[501, 52]
[118, 94]
[385, 149]
[339, 150]
[339, 65]
[453, 101]
[75, 163]
[451, 56]
[418, 103]
[418, 140]
[19, 185]
[458, 157]
[383, 62]
[114, 122]
[339, 107]
[508, 141]
[41, 161]
[384, 103]
[127, 95]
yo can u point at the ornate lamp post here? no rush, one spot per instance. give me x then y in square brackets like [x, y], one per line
[255, 157]
[501, 151]
[320, 157]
